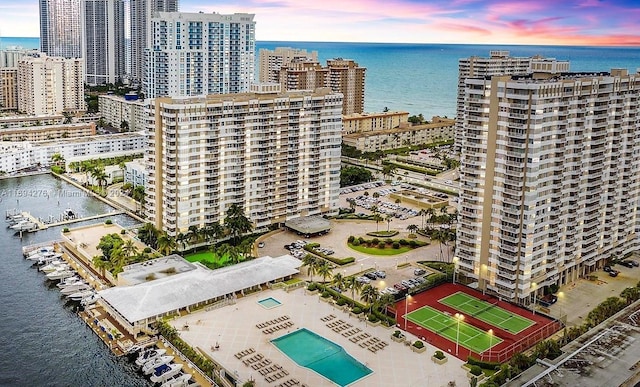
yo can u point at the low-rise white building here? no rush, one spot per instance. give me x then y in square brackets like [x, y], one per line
[115, 110]
[17, 156]
[136, 173]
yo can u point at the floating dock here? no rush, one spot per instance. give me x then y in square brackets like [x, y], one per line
[45, 225]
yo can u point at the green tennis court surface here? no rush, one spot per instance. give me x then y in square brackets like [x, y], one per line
[446, 326]
[487, 312]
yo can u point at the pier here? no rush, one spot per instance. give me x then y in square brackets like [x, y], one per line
[45, 225]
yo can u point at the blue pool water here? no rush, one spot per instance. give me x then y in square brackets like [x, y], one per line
[327, 358]
[269, 303]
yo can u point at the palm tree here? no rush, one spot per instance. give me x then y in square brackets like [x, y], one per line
[138, 195]
[129, 248]
[352, 203]
[378, 219]
[370, 295]
[338, 281]
[236, 222]
[166, 244]
[388, 218]
[324, 271]
[385, 301]
[430, 213]
[213, 231]
[101, 264]
[422, 214]
[194, 234]
[99, 176]
[311, 262]
[412, 228]
[148, 234]
[353, 284]
[442, 236]
[182, 239]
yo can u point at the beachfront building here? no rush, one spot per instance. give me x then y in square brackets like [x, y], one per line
[167, 286]
[50, 85]
[195, 54]
[438, 130]
[17, 156]
[271, 61]
[135, 173]
[275, 155]
[340, 75]
[103, 41]
[61, 28]
[549, 179]
[500, 62]
[116, 111]
[10, 57]
[371, 122]
[140, 13]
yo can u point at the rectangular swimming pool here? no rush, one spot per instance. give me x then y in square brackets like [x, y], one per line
[325, 357]
[269, 303]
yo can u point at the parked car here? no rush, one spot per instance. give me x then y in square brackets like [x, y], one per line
[614, 273]
[363, 280]
[627, 263]
[261, 244]
[634, 263]
[548, 300]
[380, 274]
[419, 272]
[607, 268]
[371, 276]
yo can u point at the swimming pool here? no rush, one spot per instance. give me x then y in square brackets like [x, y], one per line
[327, 358]
[269, 303]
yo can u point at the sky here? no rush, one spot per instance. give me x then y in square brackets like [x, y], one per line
[546, 22]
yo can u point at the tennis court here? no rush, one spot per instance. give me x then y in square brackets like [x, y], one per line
[487, 312]
[446, 326]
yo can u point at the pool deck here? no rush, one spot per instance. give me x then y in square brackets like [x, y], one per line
[233, 327]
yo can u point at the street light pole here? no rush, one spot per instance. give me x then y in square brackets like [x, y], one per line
[455, 268]
[406, 311]
[490, 342]
[458, 317]
[533, 308]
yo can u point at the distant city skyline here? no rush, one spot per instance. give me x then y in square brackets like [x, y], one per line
[582, 22]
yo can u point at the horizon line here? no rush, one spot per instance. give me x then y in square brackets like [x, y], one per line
[416, 43]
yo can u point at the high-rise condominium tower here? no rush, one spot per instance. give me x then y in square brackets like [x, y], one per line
[549, 178]
[140, 12]
[103, 40]
[199, 54]
[271, 61]
[341, 75]
[50, 85]
[276, 155]
[61, 28]
[500, 62]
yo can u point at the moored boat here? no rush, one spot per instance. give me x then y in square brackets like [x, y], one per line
[60, 274]
[158, 361]
[177, 381]
[148, 355]
[165, 372]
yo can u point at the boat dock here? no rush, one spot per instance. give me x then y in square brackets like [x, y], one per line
[43, 225]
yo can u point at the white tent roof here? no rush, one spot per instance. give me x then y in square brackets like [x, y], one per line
[154, 298]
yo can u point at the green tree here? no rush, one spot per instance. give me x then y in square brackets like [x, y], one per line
[388, 219]
[324, 271]
[412, 228]
[129, 248]
[630, 295]
[354, 285]
[338, 281]
[352, 175]
[236, 222]
[166, 244]
[148, 234]
[108, 243]
[370, 295]
[311, 262]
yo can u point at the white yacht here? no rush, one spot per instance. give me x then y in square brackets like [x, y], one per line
[165, 372]
[53, 266]
[68, 281]
[74, 288]
[77, 296]
[177, 381]
[60, 274]
[24, 225]
[158, 361]
[149, 354]
[41, 255]
[49, 259]
[90, 300]
[41, 250]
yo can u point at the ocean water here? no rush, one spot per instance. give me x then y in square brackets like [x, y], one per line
[422, 78]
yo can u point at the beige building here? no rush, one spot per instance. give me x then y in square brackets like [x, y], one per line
[276, 155]
[8, 88]
[272, 61]
[115, 110]
[370, 122]
[303, 75]
[440, 129]
[50, 85]
[549, 179]
[46, 132]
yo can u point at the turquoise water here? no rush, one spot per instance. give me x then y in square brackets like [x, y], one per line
[422, 78]
[269, 303]
[327, 358]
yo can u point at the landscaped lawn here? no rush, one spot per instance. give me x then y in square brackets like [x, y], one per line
[207, 256]
[376, 251]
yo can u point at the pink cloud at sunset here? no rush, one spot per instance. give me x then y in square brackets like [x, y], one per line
[573, 22]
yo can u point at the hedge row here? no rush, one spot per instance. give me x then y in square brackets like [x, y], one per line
[311, 247]
[358, 307]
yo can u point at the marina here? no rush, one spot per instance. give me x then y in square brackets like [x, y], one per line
[24, 221]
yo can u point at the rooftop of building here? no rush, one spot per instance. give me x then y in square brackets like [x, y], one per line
[85, 139]
[436, 122]
[88, 237]
[565, 76]
[244, 97]
[354, 116]
[309, 225]
[173, 292]
[138, 273]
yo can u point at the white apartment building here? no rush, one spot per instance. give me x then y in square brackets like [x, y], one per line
[500, 62]
[50, 85]
[11, 57]
[196, 54]
[115, 110]
[16, 156]
[140, 12]
[549, 178]
[61, 28]
[271, 61]
[276, 155]
[371, 122]
[103, 40]
[135, 173]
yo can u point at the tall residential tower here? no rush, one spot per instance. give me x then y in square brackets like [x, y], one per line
[103, 44]
[140, 12]
[271, 61]
[549, 178]
[195, 54]
[61, 28]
